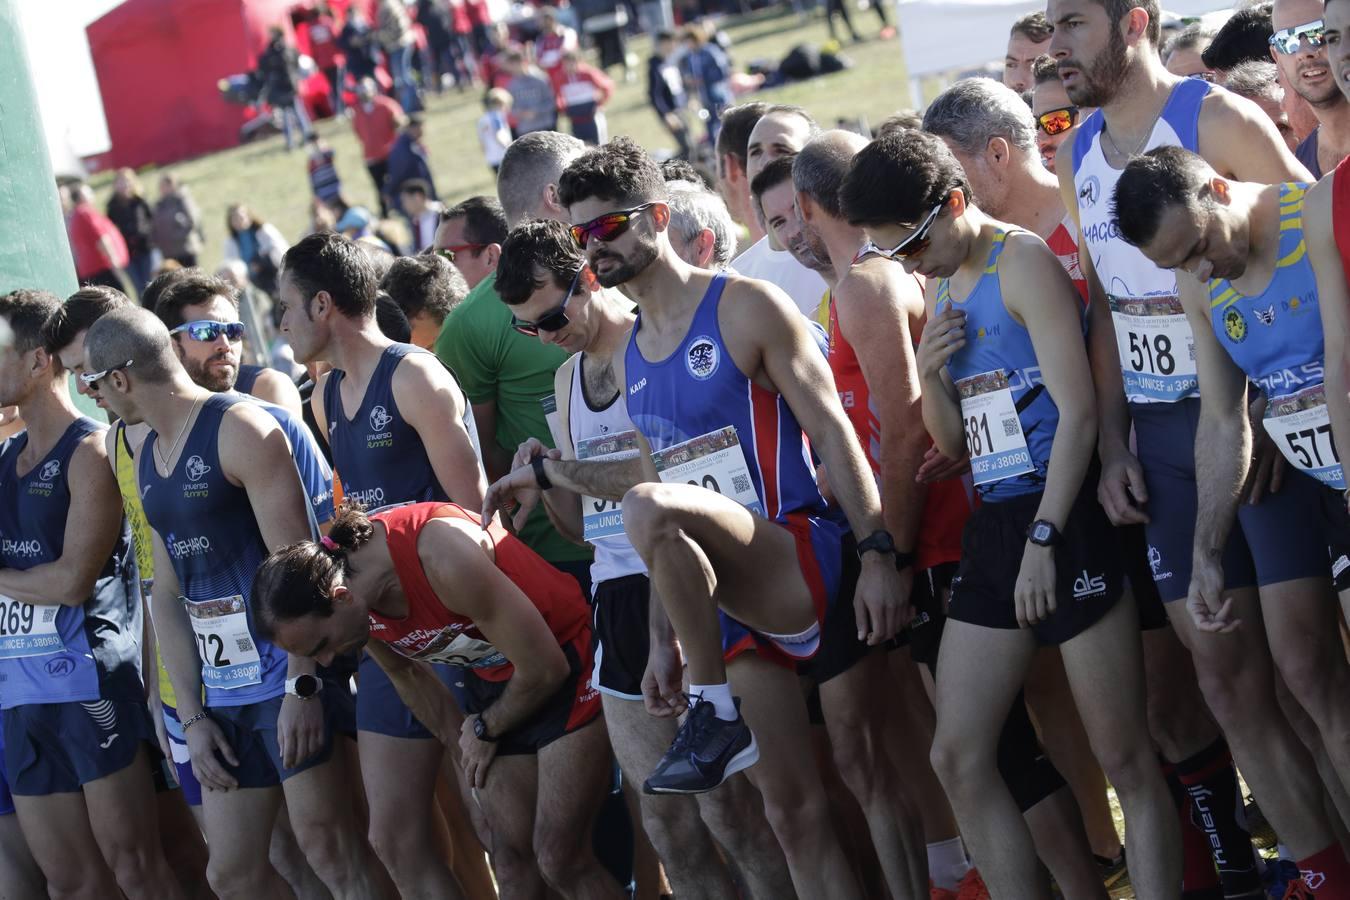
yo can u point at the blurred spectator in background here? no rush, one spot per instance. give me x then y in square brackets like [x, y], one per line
[605, 21]
[132, 215]
[423, 212]
[461, 45]
[278, 73]
[708, 73]
[1028, 39]
[98, 247]
[257, 244]
[1244, 36]
[494, 127]
[534, 105]
[665, 90]
[492, 62]
[582, 95]
[554, 39]
[359, 45]
[480, 19]
[323, 174]
[176, 226]
[438, 65]
[398, 41]
[1184, 54]
[357, 223]
[1259, 81]
[376, 119]
[255, 311]
[322, 29]
[408, 160]
[426, 287]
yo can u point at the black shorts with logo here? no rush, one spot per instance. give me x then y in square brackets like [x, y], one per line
[1090, 575]
[1336, 524]
[620, 612]
[840, 649]
[1134, 556]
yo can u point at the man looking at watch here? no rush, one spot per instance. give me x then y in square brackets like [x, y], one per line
[1005, 378]
[747, 382]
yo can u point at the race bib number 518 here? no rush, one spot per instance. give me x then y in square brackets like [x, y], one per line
[1156, 347]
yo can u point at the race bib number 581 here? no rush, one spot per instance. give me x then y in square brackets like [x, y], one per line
[994, 437]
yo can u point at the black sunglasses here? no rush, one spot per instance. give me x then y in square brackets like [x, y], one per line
[555, 320]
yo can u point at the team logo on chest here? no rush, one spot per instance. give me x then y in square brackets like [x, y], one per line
[1090, 192]
[702, 357]
[380, 435]
[1265, 316]
[1235, 325]
[380, 418]
[196, 468]
[45, 482]
[51, 470]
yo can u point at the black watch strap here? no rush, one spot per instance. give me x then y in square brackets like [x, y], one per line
[540, 476]
[1043, 533]
[879, 540]
[480, 729]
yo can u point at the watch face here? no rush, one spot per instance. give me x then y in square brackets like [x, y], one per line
[1041, 533]
[306, 686]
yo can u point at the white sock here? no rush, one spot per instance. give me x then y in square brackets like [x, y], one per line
[947, 863]
[719, 695]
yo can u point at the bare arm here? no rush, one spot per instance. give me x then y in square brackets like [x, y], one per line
[93, 524]
[1238, 139]
[874, 318]
[1037, 291]
[496, 460]
[432, 403]
[316, 406]
[173, 631]
[276, 388]
[1333, 298]
[564, 506]
[458, 568]
[943, 335]
[1223, 440]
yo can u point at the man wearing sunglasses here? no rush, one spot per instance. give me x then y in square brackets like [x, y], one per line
[202, 314]
[400, 430]
[75, 723]
[1140, 345]
[1251, 292]
[776, 570]
[1051, 110]
[1298, 47]
[541, 263]
[219, 486]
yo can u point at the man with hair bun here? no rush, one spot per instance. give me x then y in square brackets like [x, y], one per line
[430, 582]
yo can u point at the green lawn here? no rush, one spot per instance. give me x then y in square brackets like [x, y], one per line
[275, 183]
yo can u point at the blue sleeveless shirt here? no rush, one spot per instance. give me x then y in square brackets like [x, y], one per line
[379, 457]
[215, 545]
[62, 654]
[698, 390]
[1275, 338]
[998, 354]
[248, 376]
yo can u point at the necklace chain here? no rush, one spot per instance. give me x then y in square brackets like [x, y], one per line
[164, 458]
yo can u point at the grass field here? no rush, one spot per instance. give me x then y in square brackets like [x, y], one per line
[275, 184]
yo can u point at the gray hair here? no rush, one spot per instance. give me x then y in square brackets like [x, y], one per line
[694, 208]
[1255, 79]
[974, 111]
[530, 165]
[820, 168]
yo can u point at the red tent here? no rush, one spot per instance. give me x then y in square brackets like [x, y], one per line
[158, 62]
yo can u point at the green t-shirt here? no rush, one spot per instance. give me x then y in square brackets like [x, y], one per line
[494, 362]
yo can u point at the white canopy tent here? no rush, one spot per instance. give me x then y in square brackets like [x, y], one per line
[950, 35]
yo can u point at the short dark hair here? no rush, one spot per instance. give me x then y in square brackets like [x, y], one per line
[676, 169]
[1044, 70]
[192, 290]
[1245, 36]
[530, 248]
[160, 284]
[898, 178]
[533, 162]
[1033, 27]
[415, 186]
[905, 118]
[1119, 9]
[81, 309]
[27, 312]
[484, 220]
[332, 262]
[737, 122]
[619, 171]
[1162, 177]
[132, 333]
[391, 320]
[426, 283]
[774, 173]
[820, 167]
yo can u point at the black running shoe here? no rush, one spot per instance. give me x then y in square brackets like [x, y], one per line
[706, 752]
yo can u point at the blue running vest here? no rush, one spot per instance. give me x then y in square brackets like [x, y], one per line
[61, 654]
